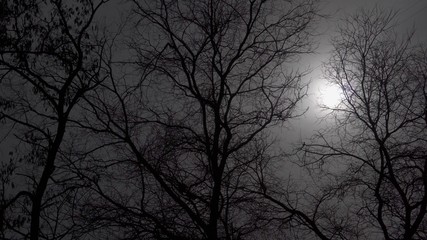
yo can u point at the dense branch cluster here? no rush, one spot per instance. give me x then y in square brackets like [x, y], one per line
[160, 128]
[379, 136]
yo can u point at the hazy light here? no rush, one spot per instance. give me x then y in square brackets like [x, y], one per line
[329, 95]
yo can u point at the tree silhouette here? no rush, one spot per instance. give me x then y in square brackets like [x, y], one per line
[191, 132]
[163, 130]
[375, 154]
[49, 58]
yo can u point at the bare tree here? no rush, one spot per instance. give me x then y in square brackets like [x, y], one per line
[50, 56]
[375, 153]
[188, 136]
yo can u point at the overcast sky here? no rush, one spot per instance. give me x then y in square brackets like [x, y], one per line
[412, 14]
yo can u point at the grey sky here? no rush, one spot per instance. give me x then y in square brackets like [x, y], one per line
[412, 15]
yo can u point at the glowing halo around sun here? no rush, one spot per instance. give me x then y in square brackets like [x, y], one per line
[329, 95]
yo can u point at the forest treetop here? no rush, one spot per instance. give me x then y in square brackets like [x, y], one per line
[160, 127]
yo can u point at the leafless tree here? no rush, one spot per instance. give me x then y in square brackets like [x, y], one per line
[50, 56]
[375, 153]
[187, 137]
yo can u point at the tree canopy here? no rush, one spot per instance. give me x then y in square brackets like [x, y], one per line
[159, 126]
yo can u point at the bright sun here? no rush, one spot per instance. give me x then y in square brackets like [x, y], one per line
[330, 95]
